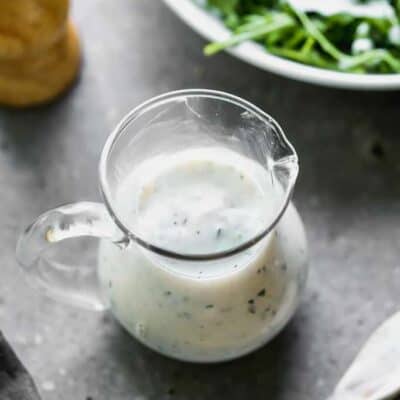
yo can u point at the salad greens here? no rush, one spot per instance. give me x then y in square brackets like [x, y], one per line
[344, 40]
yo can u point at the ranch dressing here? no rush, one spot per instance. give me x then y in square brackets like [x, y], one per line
[371, 9]
[202, 201]
[197, 201]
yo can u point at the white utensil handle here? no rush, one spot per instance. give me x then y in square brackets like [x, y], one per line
[375, 373]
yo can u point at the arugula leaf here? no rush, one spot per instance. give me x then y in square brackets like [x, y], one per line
[337, 42]
[227, 7]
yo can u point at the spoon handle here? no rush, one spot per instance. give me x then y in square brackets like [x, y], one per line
[375, 373]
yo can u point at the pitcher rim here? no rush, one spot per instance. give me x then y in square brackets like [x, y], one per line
[136, 112]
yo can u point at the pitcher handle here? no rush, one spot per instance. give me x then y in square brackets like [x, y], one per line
[70, 284]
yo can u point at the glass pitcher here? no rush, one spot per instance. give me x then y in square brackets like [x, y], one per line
[186, 302]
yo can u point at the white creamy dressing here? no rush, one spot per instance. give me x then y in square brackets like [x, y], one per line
[197, 201]
[202, 201]
[371, 9]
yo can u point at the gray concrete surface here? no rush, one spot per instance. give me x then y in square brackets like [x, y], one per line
[348, 194]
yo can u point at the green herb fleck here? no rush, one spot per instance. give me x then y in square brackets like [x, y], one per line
[167, 293]
[219, 232]
[210, 306]
[261, 293]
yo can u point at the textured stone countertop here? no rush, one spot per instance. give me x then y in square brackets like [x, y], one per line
[348, 194]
